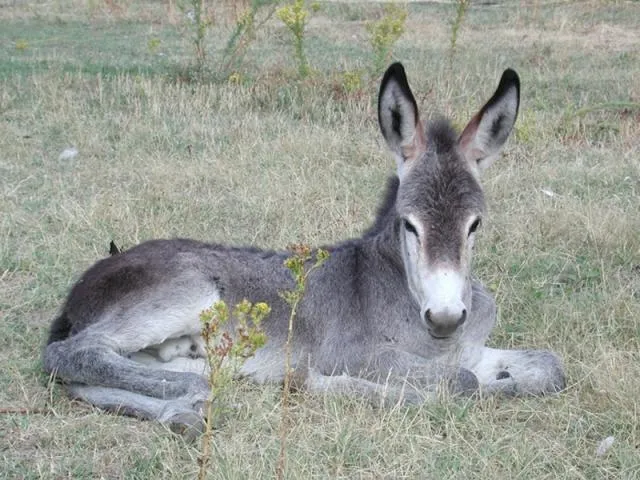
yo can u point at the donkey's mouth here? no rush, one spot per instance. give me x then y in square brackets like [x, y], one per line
[438, 337]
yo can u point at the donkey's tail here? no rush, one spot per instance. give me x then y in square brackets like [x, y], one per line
[60, 329]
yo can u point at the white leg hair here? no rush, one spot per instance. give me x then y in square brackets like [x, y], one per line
[178, 364]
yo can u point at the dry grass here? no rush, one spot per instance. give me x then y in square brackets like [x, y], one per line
[273, 161]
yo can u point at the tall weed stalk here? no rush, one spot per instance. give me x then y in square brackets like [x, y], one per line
[461, 10]
[247, 17]
[384, 33]
[252, 19]
[300, 266]
[296, 17]
[201, 22]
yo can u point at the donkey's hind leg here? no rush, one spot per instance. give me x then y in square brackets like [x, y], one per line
[85, 359]
[97, 355]
[182, 415]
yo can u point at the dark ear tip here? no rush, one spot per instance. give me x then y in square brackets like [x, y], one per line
[395, 73]
[509, 77]
[395, 70]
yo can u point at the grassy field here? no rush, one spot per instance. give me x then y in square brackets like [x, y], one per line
[272, 160]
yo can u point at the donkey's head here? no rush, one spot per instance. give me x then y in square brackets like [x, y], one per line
[439, 202]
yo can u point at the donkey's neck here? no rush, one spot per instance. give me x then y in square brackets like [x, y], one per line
[381, 239]
[384, 234]
[386, 213]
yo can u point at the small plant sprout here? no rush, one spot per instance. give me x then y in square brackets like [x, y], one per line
[352, 81]
[384, 33]
[226, 354]
[295, 16]
[22, 45]
[300, 266]
[153, 44]
[461, 10]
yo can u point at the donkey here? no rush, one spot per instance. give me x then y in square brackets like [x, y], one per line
[392, 316]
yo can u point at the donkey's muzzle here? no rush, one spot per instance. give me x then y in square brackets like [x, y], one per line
[444, 324]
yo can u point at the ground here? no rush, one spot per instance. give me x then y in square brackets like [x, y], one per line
[269, 160]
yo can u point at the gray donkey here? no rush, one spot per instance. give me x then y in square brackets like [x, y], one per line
[390, 316]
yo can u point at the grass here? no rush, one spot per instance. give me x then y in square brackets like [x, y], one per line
[273, 161]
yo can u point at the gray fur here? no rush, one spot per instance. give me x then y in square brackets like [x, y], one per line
[127, 337]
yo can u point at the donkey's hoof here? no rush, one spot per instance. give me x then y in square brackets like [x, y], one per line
[188, 424]
[464, 383]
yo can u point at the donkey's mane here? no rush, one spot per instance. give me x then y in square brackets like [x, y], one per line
[441, 136]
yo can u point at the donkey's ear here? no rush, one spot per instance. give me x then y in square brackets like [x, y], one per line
[398, 117]
[488, 131]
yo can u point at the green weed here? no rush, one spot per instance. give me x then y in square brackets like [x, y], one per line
[225, 355]
[300, 267]
[384, 33]
[461, 10]
[248, 23]
[153, 44]
[22, 45]
[296, 16]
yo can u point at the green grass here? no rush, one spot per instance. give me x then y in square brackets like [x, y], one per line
[274, 161]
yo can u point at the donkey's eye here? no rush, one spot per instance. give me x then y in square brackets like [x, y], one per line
[410, 228]
[474, 226]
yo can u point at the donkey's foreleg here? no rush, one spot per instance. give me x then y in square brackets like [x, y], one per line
[376, 393]
[404, 379]
[427, 374]
[516, 372]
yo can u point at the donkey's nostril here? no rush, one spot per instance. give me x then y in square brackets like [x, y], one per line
[427, 317]
[463, 317]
